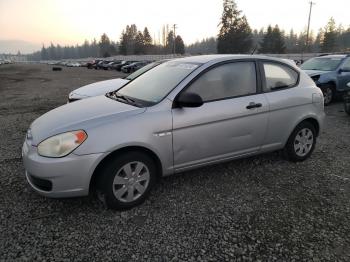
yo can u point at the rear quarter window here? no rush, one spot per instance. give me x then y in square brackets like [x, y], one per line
[278, 76]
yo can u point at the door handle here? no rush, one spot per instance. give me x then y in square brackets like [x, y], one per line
[253, 105]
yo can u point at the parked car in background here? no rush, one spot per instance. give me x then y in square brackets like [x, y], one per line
[103, 87]
[180, 115]
[118, 67]
[83, 64]
[102, 64]
[111, 65]
[73, 64]
[133, 66]
[92, 64]
[331, 73]
[347, 100]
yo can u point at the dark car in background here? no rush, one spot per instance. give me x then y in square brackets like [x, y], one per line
[92, 64]
[118, 67]
[102, 64]
[331, 73]
[133, 67]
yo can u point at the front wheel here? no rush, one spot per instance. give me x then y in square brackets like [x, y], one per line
[328, 94]
[347, 104]
[301, 142]
[127, 180]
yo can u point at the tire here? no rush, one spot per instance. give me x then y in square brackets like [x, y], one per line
[120, 187]
[347, 108]
[328, 94]
[347, 104]
[303, 135]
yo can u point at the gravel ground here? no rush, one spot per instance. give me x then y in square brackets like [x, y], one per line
[258, 209]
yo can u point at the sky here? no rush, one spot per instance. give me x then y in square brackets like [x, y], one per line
[72, 21]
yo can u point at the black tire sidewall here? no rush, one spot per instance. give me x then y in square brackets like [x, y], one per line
[109, 172]
[289, 148]
[324, 90]
[347, 105]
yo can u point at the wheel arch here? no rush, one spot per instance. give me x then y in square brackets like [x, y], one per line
[123, 150]
[311, 120]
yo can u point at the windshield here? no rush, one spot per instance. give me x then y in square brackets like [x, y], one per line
[154, 85]
[141, 71]
[322, 64]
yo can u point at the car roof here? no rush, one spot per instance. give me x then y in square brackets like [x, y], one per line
[218, 58]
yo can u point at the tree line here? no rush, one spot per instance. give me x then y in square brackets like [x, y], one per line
[132, 42]
[235, 36]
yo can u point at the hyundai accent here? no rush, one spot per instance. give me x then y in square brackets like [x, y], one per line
[182, 114]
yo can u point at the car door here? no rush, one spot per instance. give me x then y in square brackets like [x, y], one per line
[231, 122]
[344, 75]
[287, 102]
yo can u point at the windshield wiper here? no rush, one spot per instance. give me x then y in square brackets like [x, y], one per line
[125, 98]
[122, 98]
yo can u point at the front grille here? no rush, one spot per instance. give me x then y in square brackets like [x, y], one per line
[42, 184]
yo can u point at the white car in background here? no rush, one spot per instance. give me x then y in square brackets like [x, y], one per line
[103, 87]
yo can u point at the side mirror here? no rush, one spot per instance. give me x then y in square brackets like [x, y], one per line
[186, 99]
[345, 70]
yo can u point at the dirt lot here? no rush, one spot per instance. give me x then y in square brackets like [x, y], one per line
[261, 208]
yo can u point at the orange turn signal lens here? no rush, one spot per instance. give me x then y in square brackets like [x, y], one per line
[80, 136]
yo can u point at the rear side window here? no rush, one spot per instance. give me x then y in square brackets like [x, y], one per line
[225, 81]
[279, 76]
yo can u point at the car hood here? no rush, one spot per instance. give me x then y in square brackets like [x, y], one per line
[83, 114]
[315, 72]
[99, 88]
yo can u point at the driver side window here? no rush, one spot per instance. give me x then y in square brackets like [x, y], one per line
[226, 81]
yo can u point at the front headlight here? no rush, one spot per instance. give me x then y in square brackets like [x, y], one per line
[62, 144]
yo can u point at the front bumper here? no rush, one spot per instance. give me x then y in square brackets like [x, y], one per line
[59, 177]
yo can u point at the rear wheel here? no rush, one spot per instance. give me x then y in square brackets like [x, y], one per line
[301, 142]
[127, 180]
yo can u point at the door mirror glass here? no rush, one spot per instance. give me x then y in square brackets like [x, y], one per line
[344, 69]
[187, 99]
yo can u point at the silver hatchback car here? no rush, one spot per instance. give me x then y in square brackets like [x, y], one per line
[182, 114]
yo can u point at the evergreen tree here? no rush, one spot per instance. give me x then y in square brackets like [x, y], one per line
[329, 43]
[44, 53]
[147, 40]
[105, 46]
[169, 48]
[273, 42]
[206, 46]
[139, 44]
[179, 45]
[291, 42]
[235, 35]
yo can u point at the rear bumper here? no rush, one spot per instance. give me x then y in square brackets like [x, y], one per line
[59, 177]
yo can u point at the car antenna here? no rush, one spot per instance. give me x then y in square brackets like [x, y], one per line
[256, 47]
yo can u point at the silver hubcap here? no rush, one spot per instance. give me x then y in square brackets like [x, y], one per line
[327, 93]
[131, 181]
[303, 142]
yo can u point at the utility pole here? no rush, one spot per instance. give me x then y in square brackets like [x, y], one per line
[308, 24]
[174, 26]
